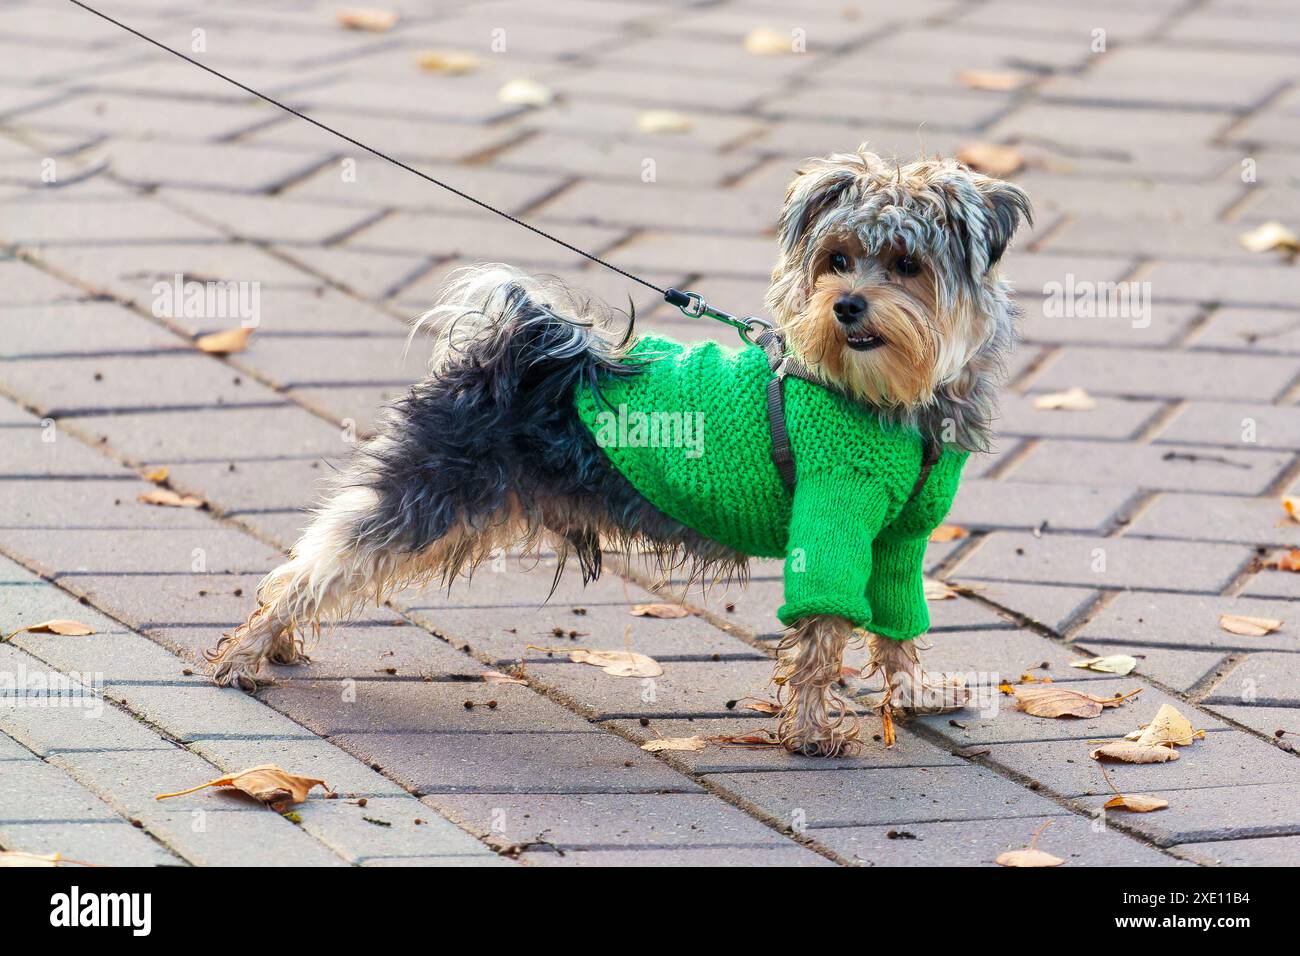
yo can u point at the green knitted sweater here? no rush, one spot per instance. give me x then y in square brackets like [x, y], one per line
[690, 433]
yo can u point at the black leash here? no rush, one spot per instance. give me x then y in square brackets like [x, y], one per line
[691, 304]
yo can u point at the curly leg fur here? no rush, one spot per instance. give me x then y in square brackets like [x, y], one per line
[814, 719]
[913, 689]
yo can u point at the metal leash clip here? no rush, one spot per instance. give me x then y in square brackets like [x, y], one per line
[693, 306]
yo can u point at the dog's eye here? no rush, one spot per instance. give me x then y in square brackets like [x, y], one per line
[906, 266]
[838, 262]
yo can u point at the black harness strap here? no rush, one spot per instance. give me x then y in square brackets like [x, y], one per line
[773, 346]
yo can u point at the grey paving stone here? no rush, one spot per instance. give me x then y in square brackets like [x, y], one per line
[109, 843]
[30, 600]
[62, 553]
[269, 218]
[413, 706]
[572, 822]
[982, 503]
[515, 763]
[1265, 680]
[36, 792]
[1249, 330]
[62, 328]
[884, 796]
[1226, 758]
[386, 827]
[1055, 607]
[1159, 325]
[1215, 813]
[1216, 517]
[1265, 720]
[24, 284]
[1233, 426]
[1176, 669]
[1073, 838]
[192, 711]
[207, 828]
[52, 724]
[1182, 620]
[1270, 582]
[36, 448]
[1004, 722]
[1153, 467]
[910, 751]
[77, 502]
[47, 219]
[1112, 419]
[1151, 374]
[790, 855]
[234, 167]
[1261, 851]
[1129, 562]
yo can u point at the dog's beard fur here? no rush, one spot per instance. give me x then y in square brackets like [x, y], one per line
[946, 329]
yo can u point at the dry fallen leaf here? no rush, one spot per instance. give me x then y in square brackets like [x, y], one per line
[760, 706]
[265, 782]
[938, 591]
[664, 121]
[888, 736]
[496, 677]
[157, 475]
[764, 41]
[618, 663]
[998, 80]
[1285, 562]
[10, 858]
[993, 159]
[525, 93]
[753, 741]
[166, 498]
[1248, 626]
[1120, 664]
[1291, 505]
[1071, 400]
[1131, 751]
[949, 532]
[1136, 802]
[665, 611]
[448, 62]
[62, 627]
[1030, 856]
[675, 743]
[366, 18]
[1269, 236]
[1169, 727]
[224, 343]
[1056, 701]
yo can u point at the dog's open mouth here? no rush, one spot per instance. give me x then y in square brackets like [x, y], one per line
[865, 342]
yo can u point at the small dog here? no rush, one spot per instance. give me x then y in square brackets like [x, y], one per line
[887, 298]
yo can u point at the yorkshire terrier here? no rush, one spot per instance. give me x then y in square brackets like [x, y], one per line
[892, 324]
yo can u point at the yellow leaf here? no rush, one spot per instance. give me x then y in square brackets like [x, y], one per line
[1129, 751]
[1030, 856]
[449, 62]
[1000, 81]
[62, 627]
[265, 782]
[9, 858]
[224, 343]
[1291, 505]
[1056, 701]
[525, 93]
[157, 475]
[1248, 626]
[166, 498]
[938, 591]
[760, 706]
[764, 41]
[1120, 664]
[496, 677]
[1290, 561]
[366, 18]
[1269, 236]
[666, 611]
[664, 121]
[1137, 803]
[1169, 727]
[675, 743]
[1071, 400]
[992, 159]
[618, 663]
[949, 532]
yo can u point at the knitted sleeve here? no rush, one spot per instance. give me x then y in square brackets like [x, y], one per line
[836, 515]
[897, 588]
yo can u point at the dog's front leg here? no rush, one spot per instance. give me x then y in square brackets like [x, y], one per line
[814, 719]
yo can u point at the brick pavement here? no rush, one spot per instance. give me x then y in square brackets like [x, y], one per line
[1125, 529]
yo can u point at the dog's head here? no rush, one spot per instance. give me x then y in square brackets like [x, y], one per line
[887, 284]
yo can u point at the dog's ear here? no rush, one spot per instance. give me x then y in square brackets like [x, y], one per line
[1005, 205]
[818, 185]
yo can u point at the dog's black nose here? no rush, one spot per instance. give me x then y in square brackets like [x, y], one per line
[849, 308]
